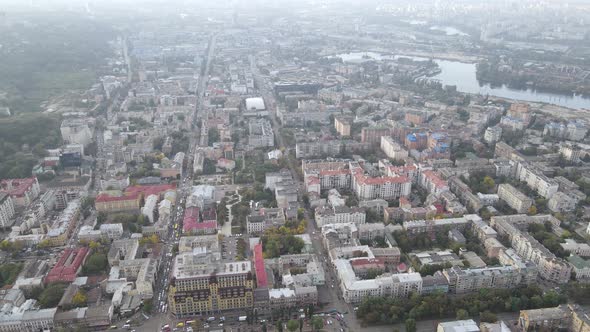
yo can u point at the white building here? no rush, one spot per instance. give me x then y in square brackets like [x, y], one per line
[260, 134]
[77, 131]
[388, 188]
[571, 152]
[514, 198]
[536, 180]
[355, 289]
[148, 208]
[562, 202]
[111, 231]
[575, 248]
[550, 267]
[393, 149]
[6, 210]
[468, 325]
[488, 199]
[493, 134]
[339, 215]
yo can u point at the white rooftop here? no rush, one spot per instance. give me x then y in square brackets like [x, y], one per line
[467, 325]
[276, 293]
[255, 103]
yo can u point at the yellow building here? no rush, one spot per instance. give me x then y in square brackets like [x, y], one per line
[342, 126]
[202, 286]
[117, 203]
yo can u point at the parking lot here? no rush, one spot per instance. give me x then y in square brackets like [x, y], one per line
[229, 248]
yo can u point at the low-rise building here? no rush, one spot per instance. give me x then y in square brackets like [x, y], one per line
[562, 202]
[470, 280]
[22, 191]
[580, 266]
[260, 134]
[68, 266]
[514, 198]
[549, 266]
[338, 215]
[260, 220]
[468, 325]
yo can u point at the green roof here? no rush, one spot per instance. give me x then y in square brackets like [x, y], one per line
[578, 262]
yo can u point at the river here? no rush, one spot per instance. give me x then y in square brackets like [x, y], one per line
[463, 75]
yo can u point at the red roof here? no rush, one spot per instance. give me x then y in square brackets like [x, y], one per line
[67, 266]
[435, 178]
[17, 187]
[261, 277]
[313, 180]
[361, 262]
[362, 179]
[334, 172]
[132, 193]
[150, 190]
[192, 221]
[108, 198]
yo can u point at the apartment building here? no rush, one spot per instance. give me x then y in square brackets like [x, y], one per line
[26, 317]
[416, 117]
[260, 134]
[373, 134]
[204, 286]
[370, 231]
[574, 130]
[416, 141]
[493, 134]
[546, 319]
[386, 187]
[342, 125]
[332, 148]
[550, 267]
[433, 182]
[393, 149]
[571, 152]
[536, 180]
[22, 191]
[6, 210]
[354, 289]
[514, 198]
[272, 178]
[339, 215]
[58, 232]
[432, 227]
[149, 207]
[575, 248]
[260, 220]
[335, 179]
[463, 281]
[562, 202]
[116, 203]
[580, 266]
